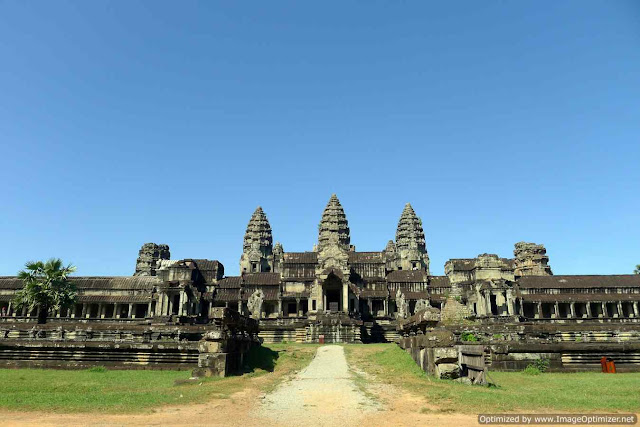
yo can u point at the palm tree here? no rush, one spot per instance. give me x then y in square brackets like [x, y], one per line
[46, 286]
[637, 270]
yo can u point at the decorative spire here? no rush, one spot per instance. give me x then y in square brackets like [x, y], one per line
[410, 244]
[391, 247]
[409, 234]
[334, 227]
[258, 235]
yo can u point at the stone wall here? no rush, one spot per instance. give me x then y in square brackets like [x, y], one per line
[125, 345]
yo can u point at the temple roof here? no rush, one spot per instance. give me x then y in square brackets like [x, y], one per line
[591, 281]
[250, 279]
[366, 257]
[300, 257]
[407, 276]
[95, 282]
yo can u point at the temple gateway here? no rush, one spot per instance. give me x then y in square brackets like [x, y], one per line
[333, 278]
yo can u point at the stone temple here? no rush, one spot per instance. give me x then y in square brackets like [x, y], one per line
[186, 313]
[333, 278]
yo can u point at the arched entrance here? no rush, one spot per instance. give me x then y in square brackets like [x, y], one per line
[332, 293]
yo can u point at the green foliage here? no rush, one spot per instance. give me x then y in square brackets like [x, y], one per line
[537, 367]
[46, 285]
[468, 337]
[498, 336]
[458, 298]
[637, 269]
[99, 369]
[531, 370]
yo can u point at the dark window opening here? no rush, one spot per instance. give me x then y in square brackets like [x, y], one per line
[291, 308]
[176, 304]
[546, 311]
[141, 311]
[529, 310]
[494, 305]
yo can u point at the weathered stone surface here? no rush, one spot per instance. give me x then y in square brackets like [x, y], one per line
[410, 242]
[531, 260]
[255, 303]
[447, 371]
[454, 311]
[149, 258]
[334, 227]
[257, 248]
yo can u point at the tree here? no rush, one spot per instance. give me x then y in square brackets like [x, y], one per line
[46, 286]
[637, 270]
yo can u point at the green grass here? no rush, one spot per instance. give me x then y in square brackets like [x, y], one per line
[117, 391]
[516, 391]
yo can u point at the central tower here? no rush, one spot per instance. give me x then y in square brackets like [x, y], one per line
[334, 227]
[331, 288]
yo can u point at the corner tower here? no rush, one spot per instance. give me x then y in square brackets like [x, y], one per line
[257, 249]
[410, 243]
[333, 228]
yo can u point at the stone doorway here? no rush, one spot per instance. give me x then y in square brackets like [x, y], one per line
[332, 289]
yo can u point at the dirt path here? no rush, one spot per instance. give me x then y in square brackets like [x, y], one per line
[323, 393]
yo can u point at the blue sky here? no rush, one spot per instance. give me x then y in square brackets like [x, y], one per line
[130, 122]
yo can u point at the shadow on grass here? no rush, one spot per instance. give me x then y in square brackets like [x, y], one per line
[260, 357]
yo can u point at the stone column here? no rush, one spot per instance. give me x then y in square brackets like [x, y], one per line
[556, 310]
[298, 307]
[573, 309]
[170, 299]
[487, 302]
[370, 304]
[100, 311]
[589, 310]
[129, 315]
[84, 311]
[509, 302]
[280, 312]
[240, 306]
[345, 298]
[116, 314]
[635, 309]
[181, 303]
[164, 308]
[386, 306]
[604, 310]
[149, 314]
[620, 311]
[9, 309]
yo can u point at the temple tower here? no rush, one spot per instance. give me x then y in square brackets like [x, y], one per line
[333, 228]
[410, 243]
[257, 249]
[331, 288]
[149, 258]
[531, 260]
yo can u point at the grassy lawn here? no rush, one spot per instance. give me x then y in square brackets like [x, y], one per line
[120, 391]
[515, 391]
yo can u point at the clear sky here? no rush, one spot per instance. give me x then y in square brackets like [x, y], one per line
[130, 122]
